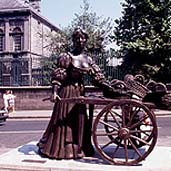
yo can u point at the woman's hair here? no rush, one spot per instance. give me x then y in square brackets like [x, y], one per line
[79, 31]
[8, 91]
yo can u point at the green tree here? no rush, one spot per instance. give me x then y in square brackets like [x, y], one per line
[144, 36]
[99, 30]
[47, 66]
[97, 27]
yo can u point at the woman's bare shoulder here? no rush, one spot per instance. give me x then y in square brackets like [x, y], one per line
[63, 60]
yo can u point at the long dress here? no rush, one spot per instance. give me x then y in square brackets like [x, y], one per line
[67, 135]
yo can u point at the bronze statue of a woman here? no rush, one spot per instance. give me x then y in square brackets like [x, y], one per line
[66, 136]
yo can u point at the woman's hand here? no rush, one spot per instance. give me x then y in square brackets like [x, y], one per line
[55, 97]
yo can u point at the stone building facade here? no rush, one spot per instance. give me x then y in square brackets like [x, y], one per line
[23, 41]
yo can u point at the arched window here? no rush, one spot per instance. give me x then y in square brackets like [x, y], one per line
[2, 40]
[17, 39]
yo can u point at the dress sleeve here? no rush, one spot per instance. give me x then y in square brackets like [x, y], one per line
[60, 73]
[98, 78]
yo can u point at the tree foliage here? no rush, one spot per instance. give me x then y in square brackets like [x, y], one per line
[144, 36]
[98, 28]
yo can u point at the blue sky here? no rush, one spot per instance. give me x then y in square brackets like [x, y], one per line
[61, 12]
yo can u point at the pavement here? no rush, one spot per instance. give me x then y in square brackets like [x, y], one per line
[26, 157]
[22, 114]
[47, 113]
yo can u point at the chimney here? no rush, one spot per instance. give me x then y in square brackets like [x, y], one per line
[35, 4]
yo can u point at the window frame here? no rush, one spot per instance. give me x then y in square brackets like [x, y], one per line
[2, 40]
[17, 39]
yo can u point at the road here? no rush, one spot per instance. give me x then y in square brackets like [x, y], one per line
[16, 132]
[164, 133]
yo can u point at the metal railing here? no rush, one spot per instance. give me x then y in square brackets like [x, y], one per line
[37, 71]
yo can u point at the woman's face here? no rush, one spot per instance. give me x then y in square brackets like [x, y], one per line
[80, 40]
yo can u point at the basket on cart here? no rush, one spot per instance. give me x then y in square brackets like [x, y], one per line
[137, 88]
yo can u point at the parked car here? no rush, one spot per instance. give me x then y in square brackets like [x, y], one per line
[3, 116]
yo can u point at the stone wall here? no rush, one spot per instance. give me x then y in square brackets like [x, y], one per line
[30, 98]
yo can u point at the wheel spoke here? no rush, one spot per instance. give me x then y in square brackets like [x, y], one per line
[126, 150]
[102, 122]
[116, 149]
[140, 131]
[139, 139]
[124, 114]
[147, 132]
[117, 114]
[128, 114]
[116, 121]
[106, 134]
[107, 144]
[135, 112]
[138, 123]
[134, 147]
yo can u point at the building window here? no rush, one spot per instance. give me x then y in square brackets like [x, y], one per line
[2, 38]
[17, 42]
[17, 39]
[25, 67]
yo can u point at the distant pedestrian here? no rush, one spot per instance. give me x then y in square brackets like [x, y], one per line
[5, 98]
[9, 101]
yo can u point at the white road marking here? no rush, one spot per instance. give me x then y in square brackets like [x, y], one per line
[21, 132]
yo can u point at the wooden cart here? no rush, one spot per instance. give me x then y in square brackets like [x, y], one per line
[124, 131]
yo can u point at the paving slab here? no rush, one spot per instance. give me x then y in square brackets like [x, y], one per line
[26, 158]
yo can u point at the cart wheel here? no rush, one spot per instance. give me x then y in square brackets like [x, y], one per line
[125, 132]
[116, 139]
